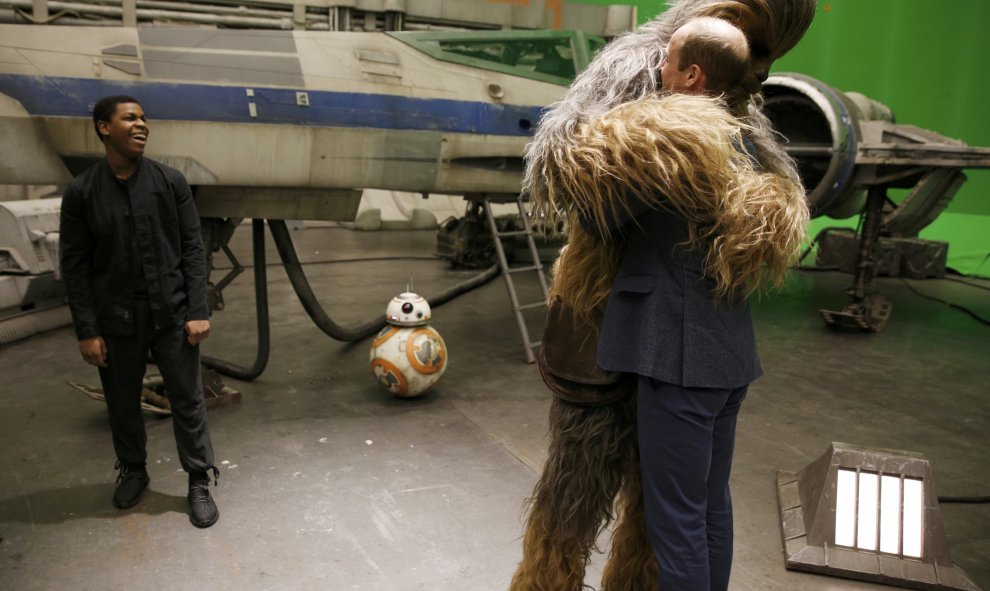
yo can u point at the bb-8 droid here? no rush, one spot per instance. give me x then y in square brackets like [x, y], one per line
[408, 356]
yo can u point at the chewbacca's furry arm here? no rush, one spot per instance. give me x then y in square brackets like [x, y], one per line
[682, 152]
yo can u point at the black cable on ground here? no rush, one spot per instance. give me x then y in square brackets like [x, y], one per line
[261, 307]
[297, 277]
[977, 317]
[464, 286]
[351, 260]
[293, 268]
[964, 500]
[967, 283]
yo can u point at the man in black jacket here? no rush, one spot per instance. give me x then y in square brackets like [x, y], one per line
[135, 274]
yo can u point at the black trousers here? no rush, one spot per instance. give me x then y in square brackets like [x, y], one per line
[686, 442]
[178, 362]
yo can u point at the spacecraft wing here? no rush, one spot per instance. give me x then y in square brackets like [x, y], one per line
[291, 112]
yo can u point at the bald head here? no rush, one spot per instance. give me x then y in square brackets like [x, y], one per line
[705, 54]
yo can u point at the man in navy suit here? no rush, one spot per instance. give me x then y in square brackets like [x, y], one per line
[692, 349]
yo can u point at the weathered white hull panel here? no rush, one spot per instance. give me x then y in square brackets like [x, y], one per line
[267, 109]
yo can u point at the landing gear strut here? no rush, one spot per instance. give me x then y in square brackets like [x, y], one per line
[866, 311]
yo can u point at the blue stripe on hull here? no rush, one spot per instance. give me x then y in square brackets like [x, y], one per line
[73, 97]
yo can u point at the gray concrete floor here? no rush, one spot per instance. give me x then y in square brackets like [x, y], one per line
[328, 482]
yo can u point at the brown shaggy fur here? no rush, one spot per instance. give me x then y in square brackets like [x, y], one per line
[583, 251]
[573, 501]
[680, 152]
[631, 565]
[748, 240]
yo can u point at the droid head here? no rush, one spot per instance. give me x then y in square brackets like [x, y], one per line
[408, 309]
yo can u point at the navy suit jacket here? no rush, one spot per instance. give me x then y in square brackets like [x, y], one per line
[662, 319]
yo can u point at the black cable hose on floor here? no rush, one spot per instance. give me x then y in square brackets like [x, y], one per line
[341, 261]
[964, 309]
[962, 280]
[297, 277]
[964, 500]
[261, 306]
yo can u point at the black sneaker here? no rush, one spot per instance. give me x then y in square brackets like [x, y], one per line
[131, 482]
[203, 511]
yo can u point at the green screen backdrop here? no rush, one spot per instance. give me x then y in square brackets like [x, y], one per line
[927, 61]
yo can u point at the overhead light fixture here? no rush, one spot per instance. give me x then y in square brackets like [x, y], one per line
[869, 514]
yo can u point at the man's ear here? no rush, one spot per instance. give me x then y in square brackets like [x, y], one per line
[695, 79]
[104, 127]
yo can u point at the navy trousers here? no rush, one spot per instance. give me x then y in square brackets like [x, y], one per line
[178, 362]
[686, 439]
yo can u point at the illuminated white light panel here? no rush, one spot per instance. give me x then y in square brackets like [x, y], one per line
[890, 514]
[914, 512]
[845, 508]
[866, 524]
[865, 500]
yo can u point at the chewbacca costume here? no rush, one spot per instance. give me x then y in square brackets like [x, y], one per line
[607, 152]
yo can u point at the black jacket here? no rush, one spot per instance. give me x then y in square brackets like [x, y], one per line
[663, 319]
[102, 220]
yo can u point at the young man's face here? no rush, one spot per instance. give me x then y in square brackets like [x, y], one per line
[127, 131]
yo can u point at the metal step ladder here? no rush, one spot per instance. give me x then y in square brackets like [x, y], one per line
[507, 272]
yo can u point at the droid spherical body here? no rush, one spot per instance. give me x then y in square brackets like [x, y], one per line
[408, 357]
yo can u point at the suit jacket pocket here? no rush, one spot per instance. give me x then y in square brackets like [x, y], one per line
[635, 283]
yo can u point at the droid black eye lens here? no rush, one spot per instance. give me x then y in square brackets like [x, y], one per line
[419, 314]
[407, 308]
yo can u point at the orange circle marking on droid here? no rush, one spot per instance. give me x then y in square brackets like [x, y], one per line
[384, 370]
[429, 343]
[384, 335]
